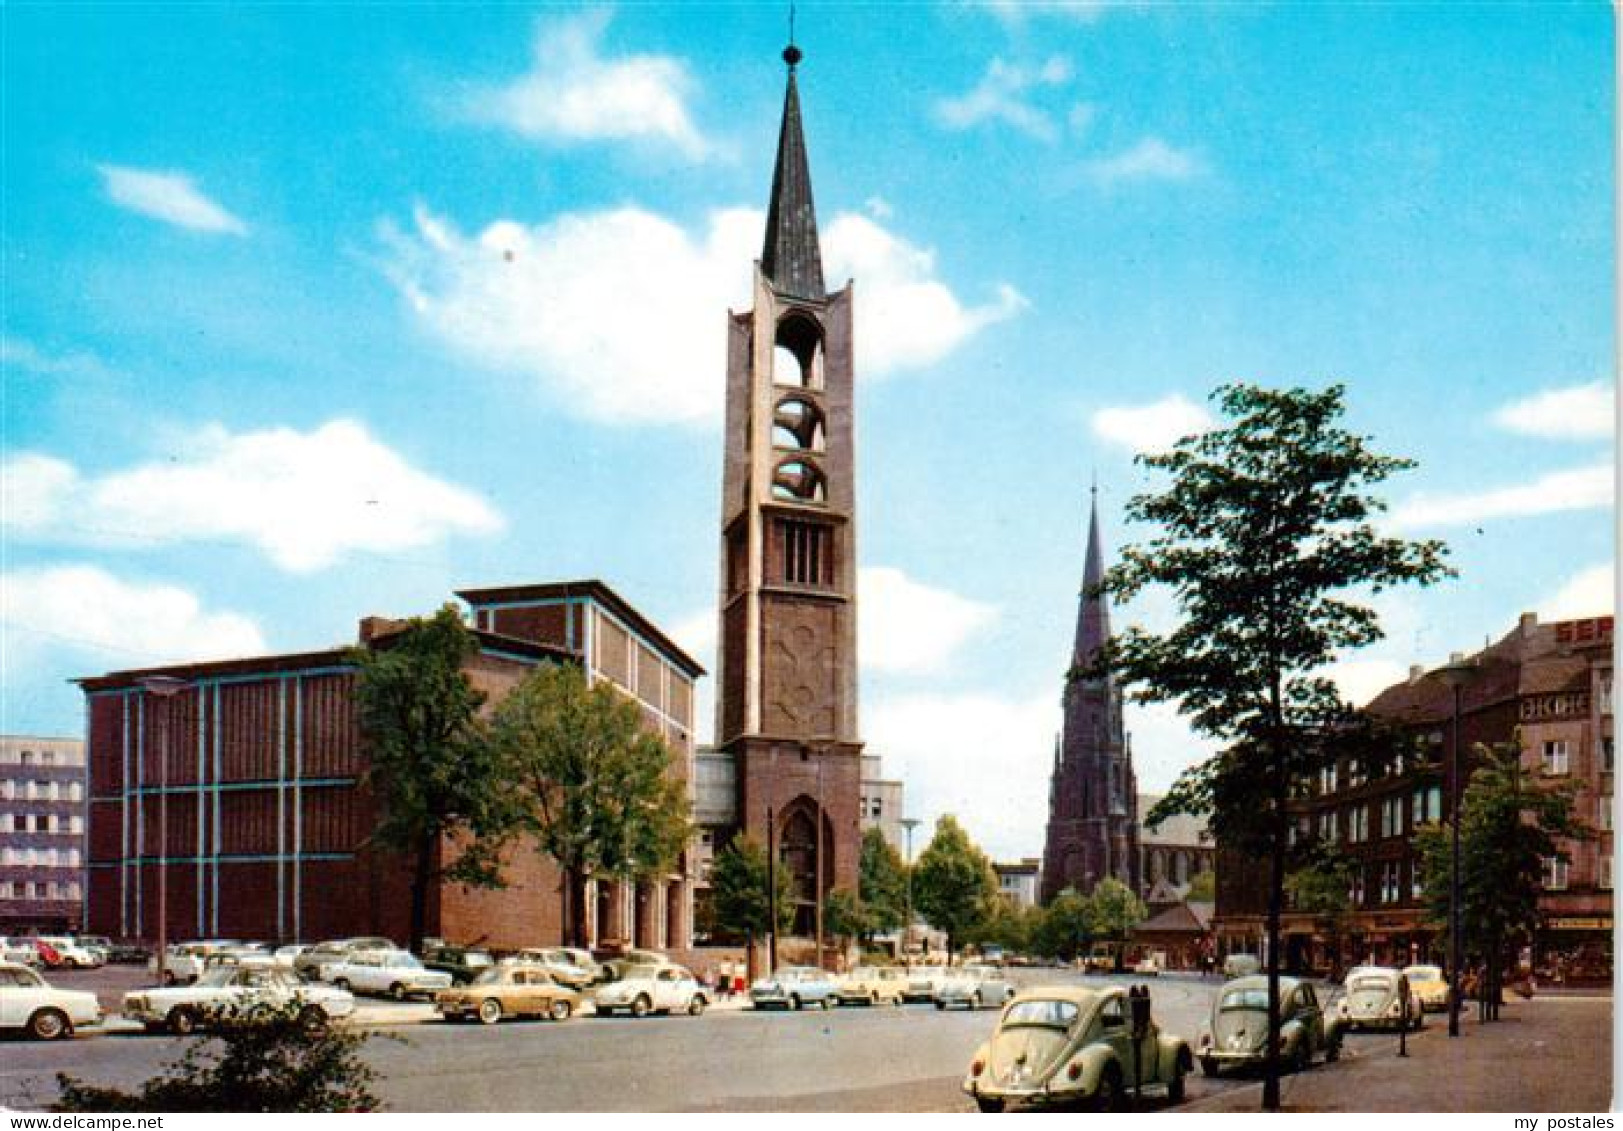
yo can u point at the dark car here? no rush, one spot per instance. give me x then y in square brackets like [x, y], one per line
[464, 964]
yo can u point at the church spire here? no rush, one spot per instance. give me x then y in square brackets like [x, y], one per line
[1093, 620]
[790, 255]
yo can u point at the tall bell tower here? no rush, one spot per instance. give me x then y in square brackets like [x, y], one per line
[786, 707]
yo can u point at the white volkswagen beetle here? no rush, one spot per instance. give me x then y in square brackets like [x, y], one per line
[30, 1003]
[236, 991]
[642, 990]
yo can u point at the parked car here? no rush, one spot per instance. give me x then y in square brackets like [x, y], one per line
[183, 962]
[509, 990]
[1428, 985]
[974, 987]
[1102, 959]
[398, 973]
[29, 1003]
[71, 952]
[21, 951]
[1372, 1000]
[1239, 1029]
[127, 953]
[236, 991]
[923, 982]
[464, 964]
[642, 990]
[562, 963]
[308, 963]
[1241, 965]
[872, 985]
[1151, 965]
[616, 967]
[101, 944]
[1071, 1043]
[285, 956]
[795, 987]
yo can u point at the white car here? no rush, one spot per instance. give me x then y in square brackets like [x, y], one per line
[21, 951]
[397, 973]
[30, 1003]
[225, 991]
[283, 956]
[923, 982]
[183, 962]
[1151, 965]
[71, 953]
[642, 990]
[558, 962]
[974, 987]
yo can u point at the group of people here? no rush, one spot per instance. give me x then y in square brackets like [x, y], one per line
[726, 979]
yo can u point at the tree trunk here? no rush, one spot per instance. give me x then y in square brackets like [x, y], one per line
[422, 875]
[575, 884]
[1276, 902]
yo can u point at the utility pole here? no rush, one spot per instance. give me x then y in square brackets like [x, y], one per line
[908, 825]
[164, 687]
[771, 893]
[817, 885]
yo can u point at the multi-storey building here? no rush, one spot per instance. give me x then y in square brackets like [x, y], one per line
[882, 802]
[1546, 686]
[1018, 881]
[42, 834]
[244, 781]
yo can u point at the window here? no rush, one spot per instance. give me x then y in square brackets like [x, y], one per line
[1555, 874]
[47, 757]
[1390, 880]
[1555, 756]
[806, 557]
[1606, 755]
[5, 822]
[1604, 876]
[1327, 779]
[1355, 773]
[1603, 813]
[1358, 824]
[8, 790]
[1355, 890]
[40, 889]
[75, 791]
[1392, 817]
[76, 825]
[1417, 889]
[28, 760]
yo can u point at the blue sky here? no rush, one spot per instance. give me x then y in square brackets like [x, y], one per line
[316, 313]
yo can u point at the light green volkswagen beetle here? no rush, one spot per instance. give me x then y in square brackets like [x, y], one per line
[1073, 1043]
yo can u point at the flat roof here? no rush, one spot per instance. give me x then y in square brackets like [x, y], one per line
[593, 589]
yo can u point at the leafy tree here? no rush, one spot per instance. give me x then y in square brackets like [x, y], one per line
[882, 883]
[1263, 536]
[953, 882]
[1008, 926]
[1322, 887]
[275, 1063]
[1065, 927]
[594, 788]
[845, 916]
[1510, 823]
[738, 885]
[1114, 910]
[1202, 887]
[438, 785]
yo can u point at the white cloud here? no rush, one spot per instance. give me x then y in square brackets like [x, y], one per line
[1015, 13]
[1582, 488]
[1579, 412]
[306, 499]
[619, 314]
[86, 610]
[572, 92]
[1152, 427]
[168, 196]
[1002, 96]
[18, 353]
[907, 627]
[1149, 159]
[1589, 593]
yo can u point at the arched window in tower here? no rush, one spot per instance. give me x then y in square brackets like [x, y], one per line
[797, 424]
[799, 481]
[798, 358]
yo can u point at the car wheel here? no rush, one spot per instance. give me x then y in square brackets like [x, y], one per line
[1108, 1096]
[642, 1006]
[696, 1006]
[825, 1004]
[312, 1019]
[1333, 1052]
[898, 1001]
[991, 1105]
[490, 1011]
[49, 1025]
[1301, 1057]
[1176, 1089]
[560, 1009]
[976, 1002]
[168, 977]
[941, 1005]
[1208, 1065]
[182, 1021]
[794, 1001]
[397, 992]
[342, 984]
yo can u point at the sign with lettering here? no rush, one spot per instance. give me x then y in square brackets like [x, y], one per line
[1537, 707]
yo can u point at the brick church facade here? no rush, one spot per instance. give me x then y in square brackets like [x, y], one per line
[1093, 794]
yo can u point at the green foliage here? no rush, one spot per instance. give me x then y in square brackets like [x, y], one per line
[1114, 909]
[1008, 926]
[595, 791]
[953, 882]
[1065, 927]
[438, 782]
[1202, 887]
[845, 916]
[271, 1063]
[1510, 822]
[738, 885]
[882, 883]
[1321, 887]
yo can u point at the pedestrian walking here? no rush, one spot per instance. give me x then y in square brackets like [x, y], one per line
[724, 979]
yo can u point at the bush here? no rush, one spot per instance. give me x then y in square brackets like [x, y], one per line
[269, 1061]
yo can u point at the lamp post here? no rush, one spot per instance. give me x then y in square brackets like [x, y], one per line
[771, 892]
[908, 825]
[164, 687]
[1455, 675]
[817, 882]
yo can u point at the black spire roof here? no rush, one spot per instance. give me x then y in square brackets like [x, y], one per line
[1093, 619]
[790, 255]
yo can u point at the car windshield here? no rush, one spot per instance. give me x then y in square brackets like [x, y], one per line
[863, 973]
[491, 977]
[1054, 1014]
[638, 972]
[1254, 998]
[1424, 973]
[217, 976]
[926, 971]
[1370, 982]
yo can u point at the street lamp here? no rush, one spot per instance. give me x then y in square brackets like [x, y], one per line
[164, 687]
[908, 825]
[1455, 675]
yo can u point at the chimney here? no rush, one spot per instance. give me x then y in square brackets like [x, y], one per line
[1456, 657]
[374, 627]
[1417, 672]
[1527, 623]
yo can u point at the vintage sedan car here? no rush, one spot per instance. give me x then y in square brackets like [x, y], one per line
[1074, 1043]
[614, 967]
[795, 987]
[509, 990]
[308, 963]
[1429, 985]
[974, 987]
[236, 991]
[397, 973]
[1371, 1000]
[464, 964]
[73, 953]
[183, 962]
[1151, 965]
[642, 990]
[1241, 965]
[562, 963]
[872, 985]
[29, 1003]
[923, 982]
[21, 951]
[1239, 1032]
